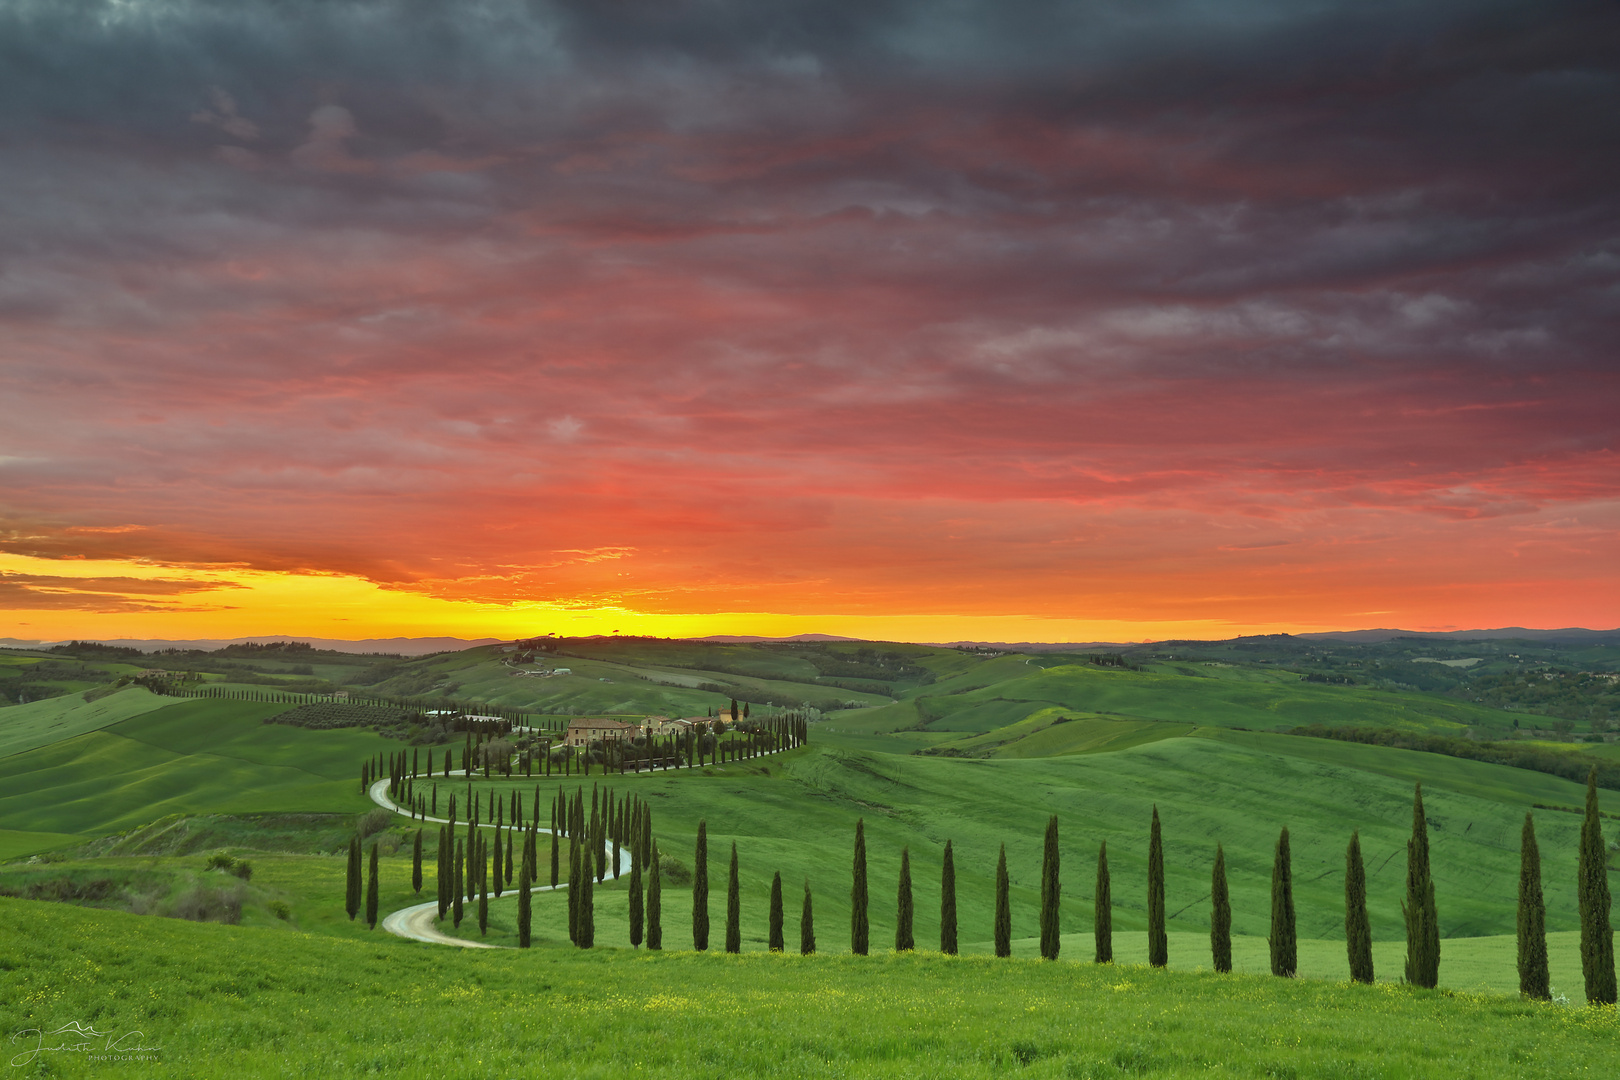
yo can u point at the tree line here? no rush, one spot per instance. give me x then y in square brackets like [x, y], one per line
[596, 835]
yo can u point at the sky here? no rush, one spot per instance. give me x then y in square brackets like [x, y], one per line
[913, 320]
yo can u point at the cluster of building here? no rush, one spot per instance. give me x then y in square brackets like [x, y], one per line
[592, 729]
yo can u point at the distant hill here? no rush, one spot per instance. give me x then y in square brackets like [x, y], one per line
[1372, 637]
[401, 645]
[749, 639]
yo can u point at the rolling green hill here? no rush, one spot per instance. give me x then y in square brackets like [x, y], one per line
[40, 723]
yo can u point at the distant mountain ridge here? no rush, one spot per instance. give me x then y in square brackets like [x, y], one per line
[402, 645]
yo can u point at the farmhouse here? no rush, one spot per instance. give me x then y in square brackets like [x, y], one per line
[586, 730]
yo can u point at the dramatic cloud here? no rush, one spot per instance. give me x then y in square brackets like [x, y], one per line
[1263, 313]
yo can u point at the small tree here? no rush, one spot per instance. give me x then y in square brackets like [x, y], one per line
[635, 903]
[1103, 910]
[947, 903]
[416, 863]
[733, 906]
[1597, 935]
[1220, 917]
[807, 925]
[776, 943]
[587, 909]
[525, 906]
[554, 858]
[371, 891]
[1533, 977]
[483, 886]
[1284, 939]
[700, 889]
[456, 891]
[1003, 926]
[1051, 942]
[1418, 908]
[904, 941]
[1357, 929]
[1158, 940]
[351, 897]
[859, 928]
[655, 904]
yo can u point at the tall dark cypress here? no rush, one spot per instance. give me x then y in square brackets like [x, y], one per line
[733, 906]
[1533, 978]
[1422, 923]
[1357, 929]
[1597, 934]
[509, 871]
[1158, 940]
[416, 863]
[587, 909]
[554, 858]
[1003, 924]
[371, 891]
[1220, 916]
[859, 928]
[483, 885]
[700, 889]
[495, 884]
[775, 943]
[442, 881]
[947, 903]
[1284, 939]
[807, 924]
[455, 893]
[904, 940]
[574, 889]
[353, 886]
[1103, 909]
[525, 906]
[635, 903]
[1051, 895]
[655, 903]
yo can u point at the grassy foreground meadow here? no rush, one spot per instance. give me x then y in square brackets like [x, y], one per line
[245, 1002]
[115, 802]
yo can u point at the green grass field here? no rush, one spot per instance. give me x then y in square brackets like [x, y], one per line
[245, 1002]
[139, 802]
[40, 723]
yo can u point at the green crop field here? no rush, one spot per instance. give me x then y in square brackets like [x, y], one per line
[40, 723]
[122, 815]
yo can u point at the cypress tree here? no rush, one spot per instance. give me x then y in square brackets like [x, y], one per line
[1283, 939]
[1220, 918]
[351, 896]
[733, 907]
[859, 928]
[496, 884]
[635, 904]
[1357, 930]
[1158, 941]
[442, 876]
[554, 858]
[416, 863]
[525, 906]
[1533, 979]
[1103, 924]
[587, 910]
[1597, 934]
[904, 941]
[483, 886]
[700, 889]
[1422, 923]
[655, 902]
[371, 891]
[573, 891]
[947, 903]
[455, 893]
[776, 944]
[509, 870]
[1051, 895]
[807, 925]
[1003, 926]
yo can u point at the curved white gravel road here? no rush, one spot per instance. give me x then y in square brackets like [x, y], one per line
[420, 922]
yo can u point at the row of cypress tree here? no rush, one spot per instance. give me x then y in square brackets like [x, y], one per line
[627, 821]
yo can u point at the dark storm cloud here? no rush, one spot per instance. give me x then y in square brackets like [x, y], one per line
[441, 262]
